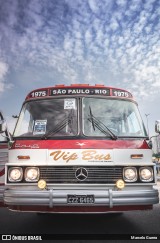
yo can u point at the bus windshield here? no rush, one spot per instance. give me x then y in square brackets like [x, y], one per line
[62, 117]
[44, 118]
[118, 117]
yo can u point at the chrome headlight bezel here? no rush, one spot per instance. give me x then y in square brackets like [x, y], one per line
[130, 170]
[150, 178]
[31, 174]
[12, 170]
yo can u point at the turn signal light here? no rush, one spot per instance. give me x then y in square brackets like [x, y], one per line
[23, 157]
[136, 156]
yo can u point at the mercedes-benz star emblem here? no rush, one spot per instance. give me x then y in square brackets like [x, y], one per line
[81, 174]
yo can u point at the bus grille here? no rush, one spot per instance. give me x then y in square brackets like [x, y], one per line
[67, 174]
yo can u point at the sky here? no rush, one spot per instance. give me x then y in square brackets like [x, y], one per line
[110, 42]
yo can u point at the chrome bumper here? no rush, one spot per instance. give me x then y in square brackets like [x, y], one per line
[2, 188]
[58, 197]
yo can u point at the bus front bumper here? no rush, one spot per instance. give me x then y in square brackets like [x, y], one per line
[66, 197]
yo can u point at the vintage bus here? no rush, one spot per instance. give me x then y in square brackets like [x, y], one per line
[79, 149]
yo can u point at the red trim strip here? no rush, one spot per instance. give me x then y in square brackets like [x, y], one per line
[2, 172]
[80, 144]
[80, 209]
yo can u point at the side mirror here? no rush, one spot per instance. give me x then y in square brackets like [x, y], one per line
[157, 126]
[3, 126]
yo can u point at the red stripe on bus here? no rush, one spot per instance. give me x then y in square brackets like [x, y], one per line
[81, 209]
[2, 172]
[80, 144]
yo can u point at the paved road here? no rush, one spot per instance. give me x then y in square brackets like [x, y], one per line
[137, 222]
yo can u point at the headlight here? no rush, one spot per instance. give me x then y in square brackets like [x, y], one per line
[130, 174]
[146, 174]
[15, 174]
[31, 174]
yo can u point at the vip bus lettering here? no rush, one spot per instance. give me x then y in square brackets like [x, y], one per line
[93, 155]
[66, 156]
[85, 155]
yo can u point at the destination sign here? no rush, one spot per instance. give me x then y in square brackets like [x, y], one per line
[80, 91]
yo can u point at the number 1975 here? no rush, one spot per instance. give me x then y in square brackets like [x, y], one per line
[39, 94]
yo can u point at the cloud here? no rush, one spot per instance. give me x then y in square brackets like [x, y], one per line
[93, 41]
[3, 73]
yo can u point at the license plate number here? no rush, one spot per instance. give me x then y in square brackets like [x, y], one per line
[80, 199]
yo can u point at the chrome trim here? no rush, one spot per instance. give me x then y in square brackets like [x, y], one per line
[110, 198]
[50, 198]
[106, 197]
[3, 155]
[2, 189]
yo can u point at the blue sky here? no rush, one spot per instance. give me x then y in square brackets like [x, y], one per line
[111, 42]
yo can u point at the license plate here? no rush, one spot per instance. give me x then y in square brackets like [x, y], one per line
[80, 199]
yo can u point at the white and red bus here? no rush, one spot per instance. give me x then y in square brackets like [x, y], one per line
[80, 148]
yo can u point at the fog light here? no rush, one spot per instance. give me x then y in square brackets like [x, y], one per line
[120, 184]
[42, 184]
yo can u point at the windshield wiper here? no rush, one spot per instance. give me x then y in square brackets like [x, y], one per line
[60, 126]
[100, 125]
[92, 118]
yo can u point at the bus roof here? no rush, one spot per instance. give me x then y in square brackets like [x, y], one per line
[79, 89]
